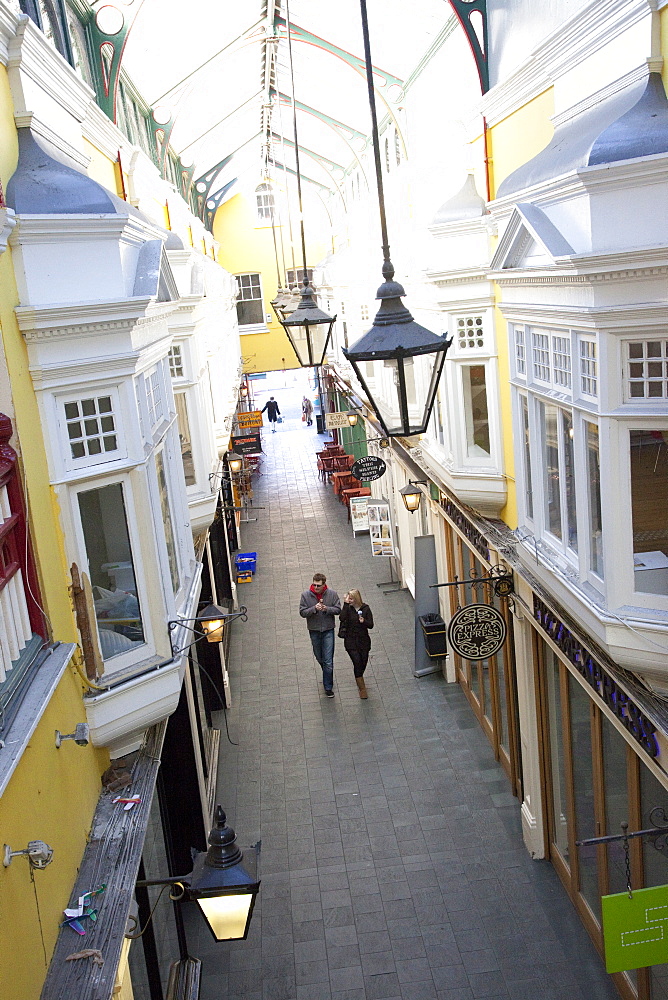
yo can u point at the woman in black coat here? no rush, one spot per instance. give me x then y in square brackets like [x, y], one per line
[356, 620]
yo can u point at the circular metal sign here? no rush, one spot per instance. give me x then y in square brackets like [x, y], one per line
[477, 631]
[369, 468]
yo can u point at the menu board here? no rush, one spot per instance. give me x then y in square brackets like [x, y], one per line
[380, 528]
[249, 418]
[359, 518]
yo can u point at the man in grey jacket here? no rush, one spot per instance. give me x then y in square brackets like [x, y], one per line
[318, 605]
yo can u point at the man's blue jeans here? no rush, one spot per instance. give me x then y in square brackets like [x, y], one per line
[323, 650]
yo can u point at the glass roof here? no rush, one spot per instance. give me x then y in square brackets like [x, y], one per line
[220, 72]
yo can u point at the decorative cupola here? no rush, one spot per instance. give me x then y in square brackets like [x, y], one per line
[466, 204]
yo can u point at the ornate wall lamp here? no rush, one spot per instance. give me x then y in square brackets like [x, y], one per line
[212, 621]
[412, 494]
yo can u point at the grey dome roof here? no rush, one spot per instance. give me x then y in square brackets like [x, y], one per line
[627, 125]
[466, 204]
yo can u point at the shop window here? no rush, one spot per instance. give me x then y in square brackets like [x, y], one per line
[558, 785]
[559, 503]
[185, 441]
[470, 334]
[520, 351]
[265, 202]
[583, 792]
[528, 488]
[111, 569]
[649, 504]
[91, 427]
[165, 508]
[297, 277]
[594, 493]
[647, 369]
[475, 411]
[588, 368]
[176, 361]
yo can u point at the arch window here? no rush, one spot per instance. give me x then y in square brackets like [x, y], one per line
[265, 202]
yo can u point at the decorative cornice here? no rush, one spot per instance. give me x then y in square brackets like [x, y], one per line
[52, 321]
[77, 228]
[460, 227]
[31, 121]
[565, 48]
[633, 76]
[10, 13]
[623, 319]
[107, 369]
[7, 223]
[31, 53]
[465, 276]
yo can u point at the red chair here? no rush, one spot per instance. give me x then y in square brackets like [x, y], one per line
[343, 462]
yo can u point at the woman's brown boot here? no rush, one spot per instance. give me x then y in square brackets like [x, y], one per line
[362, 689]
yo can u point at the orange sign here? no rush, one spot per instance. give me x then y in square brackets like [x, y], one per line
[252, 418]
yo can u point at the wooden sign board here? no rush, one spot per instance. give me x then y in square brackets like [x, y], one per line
[252, 418]
[335, 420]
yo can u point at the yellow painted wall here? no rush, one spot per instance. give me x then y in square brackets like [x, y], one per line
[246, 248]
[517, 138]
[102, 169]
[664, 45]
[52, 793]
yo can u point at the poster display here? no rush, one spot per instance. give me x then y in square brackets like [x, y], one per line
[359, 515]
[380, 528]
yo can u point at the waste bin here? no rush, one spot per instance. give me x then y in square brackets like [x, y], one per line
[434, 632]
[320, 423]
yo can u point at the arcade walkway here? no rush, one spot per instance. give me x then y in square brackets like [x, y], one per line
[392, 861]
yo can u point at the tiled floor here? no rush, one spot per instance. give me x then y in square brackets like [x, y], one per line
[392, 860]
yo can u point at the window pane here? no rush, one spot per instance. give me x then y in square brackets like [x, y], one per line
[111, 569]
[167, 519]
[249, 312]
[594, 486]
[184, 437]
[559, 821]
[649, 504]
[477, 420]
[616, 801]
[583, 789]
[528, 488]
[549, 422]
[653, 794]
[569, 479]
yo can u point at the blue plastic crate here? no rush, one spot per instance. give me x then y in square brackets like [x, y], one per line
[246, 561]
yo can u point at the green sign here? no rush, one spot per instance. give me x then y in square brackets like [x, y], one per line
[635, 931]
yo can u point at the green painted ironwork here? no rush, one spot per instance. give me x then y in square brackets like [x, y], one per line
[463, 10]
[107, 52]
[213, 203]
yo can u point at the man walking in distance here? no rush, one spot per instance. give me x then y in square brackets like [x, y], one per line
[273, 412]
[318, 605]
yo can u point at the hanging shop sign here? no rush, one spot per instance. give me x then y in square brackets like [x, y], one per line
[368, 468]
[477, 631]
[605, 686]
[247, 444]
[249, 419]
[380, 528]
[336, 420]
[635, 928]
[359, 514]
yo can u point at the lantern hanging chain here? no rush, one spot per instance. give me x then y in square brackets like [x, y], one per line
[388, 270]
[294, 129]
[285, 178]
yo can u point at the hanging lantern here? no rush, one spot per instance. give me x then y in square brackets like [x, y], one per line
[309, 329]
[402, 363]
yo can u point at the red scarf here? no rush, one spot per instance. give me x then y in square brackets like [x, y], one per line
[320, 594]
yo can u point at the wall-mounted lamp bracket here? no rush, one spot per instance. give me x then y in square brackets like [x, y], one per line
[38, 853]
[216, 620]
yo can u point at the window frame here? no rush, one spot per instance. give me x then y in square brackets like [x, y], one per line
[257, 327]
[106, 457]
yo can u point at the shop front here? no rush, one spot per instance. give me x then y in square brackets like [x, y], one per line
[602, 751]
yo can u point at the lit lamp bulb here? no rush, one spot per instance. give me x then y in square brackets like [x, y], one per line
[411, 497]
[243, 391]
[235, 464]
[352, 419]
[212, 620]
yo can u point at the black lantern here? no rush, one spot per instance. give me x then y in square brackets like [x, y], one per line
[280, 302]
[224, 883]
[309, 329]
[403, 366]
[412, 494]
[404, 360]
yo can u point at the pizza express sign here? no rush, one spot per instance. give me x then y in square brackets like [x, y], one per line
[477, 631]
